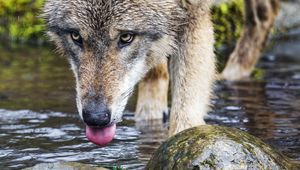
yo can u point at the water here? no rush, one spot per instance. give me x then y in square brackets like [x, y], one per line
[39, 123]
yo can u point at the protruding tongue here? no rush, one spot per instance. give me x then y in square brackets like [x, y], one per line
[101, 136]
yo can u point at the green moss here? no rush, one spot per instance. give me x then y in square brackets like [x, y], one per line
[258, 74]
[215, 147]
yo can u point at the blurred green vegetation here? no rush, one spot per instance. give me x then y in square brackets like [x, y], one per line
[19, 21]
[258, 74]
[228, 22]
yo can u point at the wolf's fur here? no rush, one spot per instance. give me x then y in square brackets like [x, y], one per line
[153, 94]
[178, 30]
[259, 19]
[192, 75]
[106, 74]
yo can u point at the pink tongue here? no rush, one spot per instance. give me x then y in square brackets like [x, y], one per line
[101, 136]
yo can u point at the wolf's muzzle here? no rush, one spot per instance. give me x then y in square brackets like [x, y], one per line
[96, 115]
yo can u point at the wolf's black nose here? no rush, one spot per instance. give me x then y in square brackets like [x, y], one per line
[96, 117]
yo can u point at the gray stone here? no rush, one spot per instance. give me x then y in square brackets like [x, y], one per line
[215, 147]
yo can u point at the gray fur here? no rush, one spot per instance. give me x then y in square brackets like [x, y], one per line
[106, 74]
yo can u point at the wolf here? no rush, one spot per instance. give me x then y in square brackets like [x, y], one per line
[112, 45]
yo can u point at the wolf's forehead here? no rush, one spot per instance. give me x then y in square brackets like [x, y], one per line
[95, 17]
[91, 13]
[99, 14]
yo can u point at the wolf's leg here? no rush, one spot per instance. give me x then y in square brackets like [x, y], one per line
[193, 70]
[152, 100]
[259, 19]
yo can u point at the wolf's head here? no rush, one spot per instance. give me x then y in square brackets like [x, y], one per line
[111, 44]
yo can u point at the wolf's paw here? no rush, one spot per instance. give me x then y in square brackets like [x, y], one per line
[152, 112]
[234, 72]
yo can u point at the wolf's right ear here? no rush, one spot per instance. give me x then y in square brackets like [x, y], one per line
[187, 4]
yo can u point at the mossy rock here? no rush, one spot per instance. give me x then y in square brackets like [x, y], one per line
[215, 147]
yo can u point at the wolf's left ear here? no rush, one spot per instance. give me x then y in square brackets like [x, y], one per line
[194, 3]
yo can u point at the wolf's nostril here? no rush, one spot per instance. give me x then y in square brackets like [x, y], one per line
[96, 118]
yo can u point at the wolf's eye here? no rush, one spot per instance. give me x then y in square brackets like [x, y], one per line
[126, 39]
[76, 37]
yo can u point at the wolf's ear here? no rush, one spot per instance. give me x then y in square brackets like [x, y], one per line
[194, 3]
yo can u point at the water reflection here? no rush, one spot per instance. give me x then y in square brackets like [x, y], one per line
[35, 79]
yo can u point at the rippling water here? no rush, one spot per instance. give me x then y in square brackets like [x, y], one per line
[39, 123]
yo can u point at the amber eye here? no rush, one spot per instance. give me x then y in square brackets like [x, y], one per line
[76, 37]
[126, 39]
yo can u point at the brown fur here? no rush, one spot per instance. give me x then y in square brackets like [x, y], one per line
[153, 94]
[106, 73]
[179, 29]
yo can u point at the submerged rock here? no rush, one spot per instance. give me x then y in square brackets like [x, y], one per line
[215, 147]
[64, 166]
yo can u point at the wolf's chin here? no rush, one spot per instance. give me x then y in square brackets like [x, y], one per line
[101, 136]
